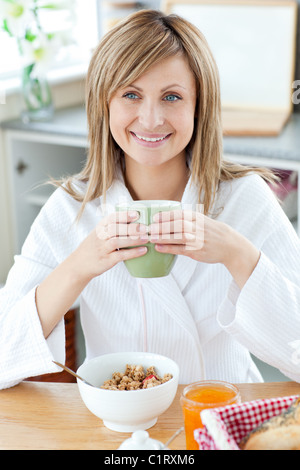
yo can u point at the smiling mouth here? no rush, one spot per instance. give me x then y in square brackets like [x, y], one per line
[150, 139]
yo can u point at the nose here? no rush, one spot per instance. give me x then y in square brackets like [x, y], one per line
[151, 115]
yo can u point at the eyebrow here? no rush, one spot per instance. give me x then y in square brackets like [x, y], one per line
[162, 90]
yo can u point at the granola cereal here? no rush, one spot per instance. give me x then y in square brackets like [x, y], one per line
[135, 378]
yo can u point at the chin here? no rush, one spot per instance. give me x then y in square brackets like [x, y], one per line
[149, 161]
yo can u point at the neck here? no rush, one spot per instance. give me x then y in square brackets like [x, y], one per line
[165, 182]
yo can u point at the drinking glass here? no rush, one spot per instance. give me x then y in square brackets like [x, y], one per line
[199, 396]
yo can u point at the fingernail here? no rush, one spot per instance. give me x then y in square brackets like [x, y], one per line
[159, 247]
[133, 214]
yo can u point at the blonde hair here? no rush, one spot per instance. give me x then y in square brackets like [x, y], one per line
[124, 54]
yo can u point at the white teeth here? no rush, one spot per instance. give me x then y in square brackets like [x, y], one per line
[150, 139]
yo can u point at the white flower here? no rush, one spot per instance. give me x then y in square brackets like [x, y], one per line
[41, 52]
[42, 28]
[18, 15]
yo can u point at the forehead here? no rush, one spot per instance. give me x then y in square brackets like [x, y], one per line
[172, 70]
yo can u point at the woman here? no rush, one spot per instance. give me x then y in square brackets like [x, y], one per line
[154, 115]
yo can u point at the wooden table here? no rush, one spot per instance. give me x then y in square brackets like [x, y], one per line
[36, 415]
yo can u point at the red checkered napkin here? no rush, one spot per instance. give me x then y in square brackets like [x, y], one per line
[225, 427]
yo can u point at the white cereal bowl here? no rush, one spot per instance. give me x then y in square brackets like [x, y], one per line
[127, 410]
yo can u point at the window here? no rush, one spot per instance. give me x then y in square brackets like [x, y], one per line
[84, 31]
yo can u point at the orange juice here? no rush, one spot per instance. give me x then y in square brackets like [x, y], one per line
[199, 396]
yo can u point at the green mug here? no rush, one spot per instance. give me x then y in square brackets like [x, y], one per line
[153, 263]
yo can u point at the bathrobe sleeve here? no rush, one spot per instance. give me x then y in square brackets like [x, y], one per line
[24, 352]
[265, 315]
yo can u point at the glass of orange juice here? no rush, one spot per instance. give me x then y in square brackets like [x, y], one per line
[201, 395]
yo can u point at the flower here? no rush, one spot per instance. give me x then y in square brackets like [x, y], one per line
[42, 29]
[40, 51]
[17, 15]
[21, 19]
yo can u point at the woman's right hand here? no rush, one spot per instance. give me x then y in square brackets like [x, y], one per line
[102, 249]
[98, 252]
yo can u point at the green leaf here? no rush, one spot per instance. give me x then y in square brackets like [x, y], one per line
[49, 6]
[27, 72]
[6, 28]
[29, 36]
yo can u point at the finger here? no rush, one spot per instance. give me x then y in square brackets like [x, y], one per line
[120, 217]
[118, 243]
[126, 230]
[173, 238]
[171, 249]
[174, 215]
[174, 226]
[104, 228]
[181, 249]
[123, 255]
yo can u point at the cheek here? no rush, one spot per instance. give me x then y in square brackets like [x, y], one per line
[115, 122]
[185, 124]
[119, 120]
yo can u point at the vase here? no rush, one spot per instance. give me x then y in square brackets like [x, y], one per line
[36, 95]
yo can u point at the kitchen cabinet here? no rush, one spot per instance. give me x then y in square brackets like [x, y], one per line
[35, 153]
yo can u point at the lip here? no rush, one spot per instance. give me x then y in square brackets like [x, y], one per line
[144, 143]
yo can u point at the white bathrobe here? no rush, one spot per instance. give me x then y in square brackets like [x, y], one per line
[197, 315]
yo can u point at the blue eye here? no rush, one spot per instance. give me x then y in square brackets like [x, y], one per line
[130, 96]
[172, 98]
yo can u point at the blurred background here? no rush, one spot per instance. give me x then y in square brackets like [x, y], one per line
[45, 48]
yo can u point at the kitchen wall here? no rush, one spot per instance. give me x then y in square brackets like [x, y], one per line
[67, 93]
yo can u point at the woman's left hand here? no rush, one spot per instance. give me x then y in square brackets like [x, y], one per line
[206, 240]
